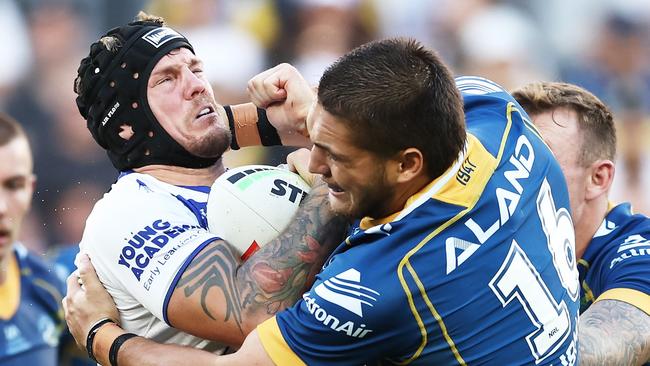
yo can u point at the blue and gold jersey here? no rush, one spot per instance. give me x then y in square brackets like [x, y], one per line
[616, 264]
[31, 315]
[478, 268]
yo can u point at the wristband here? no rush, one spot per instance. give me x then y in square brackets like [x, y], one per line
[268, 133]
[91, 335]
[249, 126]
[115, 347]
[231, 124]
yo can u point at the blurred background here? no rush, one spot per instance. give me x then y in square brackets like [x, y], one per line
[603, 45]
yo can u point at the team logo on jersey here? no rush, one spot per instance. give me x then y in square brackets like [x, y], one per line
[633, 246]
[380, 229]
[605, 228]
[345, 290]
[143, 185]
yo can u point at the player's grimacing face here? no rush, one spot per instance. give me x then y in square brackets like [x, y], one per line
[182, 101]
[355, 177]
[562, 134]
[16, 188]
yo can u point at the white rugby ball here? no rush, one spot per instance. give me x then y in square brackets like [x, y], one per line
[250, 205]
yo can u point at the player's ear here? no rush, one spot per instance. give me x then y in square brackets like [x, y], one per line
[600, 179]
[410, 164]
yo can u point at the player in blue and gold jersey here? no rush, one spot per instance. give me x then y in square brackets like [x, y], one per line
[612, 243]
[465, 250]
[31, 316]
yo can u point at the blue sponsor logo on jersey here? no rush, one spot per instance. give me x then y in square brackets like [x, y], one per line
[333, 322]
[633, 246]
[136, 255]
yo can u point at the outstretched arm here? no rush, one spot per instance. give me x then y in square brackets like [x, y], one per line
[286, 98]
[143, 352]
[613, 332]
[139, 351]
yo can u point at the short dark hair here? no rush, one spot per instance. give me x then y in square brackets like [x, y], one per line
[395, 94]
[595, 119]
[9, 129]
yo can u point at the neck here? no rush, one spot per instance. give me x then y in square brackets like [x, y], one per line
[591, 217]
[406, 191]
[181, 176]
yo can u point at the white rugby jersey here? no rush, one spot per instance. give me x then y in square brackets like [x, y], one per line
[140, 236]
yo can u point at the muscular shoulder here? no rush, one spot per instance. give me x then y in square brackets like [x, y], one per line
[139, 208]
[135, 201]
[622, 237]
[132, 190]
[617, 260]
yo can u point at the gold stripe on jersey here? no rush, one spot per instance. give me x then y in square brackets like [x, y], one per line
[275, 345]
[463, 192]
[478, 187]
[635, 298]
[589, 295]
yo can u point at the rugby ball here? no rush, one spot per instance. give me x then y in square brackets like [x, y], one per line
[250, 205]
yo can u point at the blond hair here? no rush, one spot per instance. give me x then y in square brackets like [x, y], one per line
[595, 119]
[113, 44]
[10, 129]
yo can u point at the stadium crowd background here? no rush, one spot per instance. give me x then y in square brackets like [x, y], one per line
[603, 45]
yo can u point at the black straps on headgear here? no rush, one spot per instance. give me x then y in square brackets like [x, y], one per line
[112, 91]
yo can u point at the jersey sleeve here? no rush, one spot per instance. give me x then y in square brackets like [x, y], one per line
[139, 242]
[625, 275]
[321, 333]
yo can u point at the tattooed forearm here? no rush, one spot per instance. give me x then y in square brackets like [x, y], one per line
[613, 332]
[279, 272]
[274, 277]
[213, 267]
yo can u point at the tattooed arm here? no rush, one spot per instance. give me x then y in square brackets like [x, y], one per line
[83, 306]
[219, 298]
[613, 332]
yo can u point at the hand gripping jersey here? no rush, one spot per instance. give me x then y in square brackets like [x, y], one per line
[69, 352]
[140, 236]
[616, 264]
[478, 268]
[29, 334]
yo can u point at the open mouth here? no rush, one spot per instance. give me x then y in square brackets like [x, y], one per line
[205, 111]
[5, 235]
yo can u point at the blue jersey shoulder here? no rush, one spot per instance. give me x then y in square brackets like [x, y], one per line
[618, 255]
